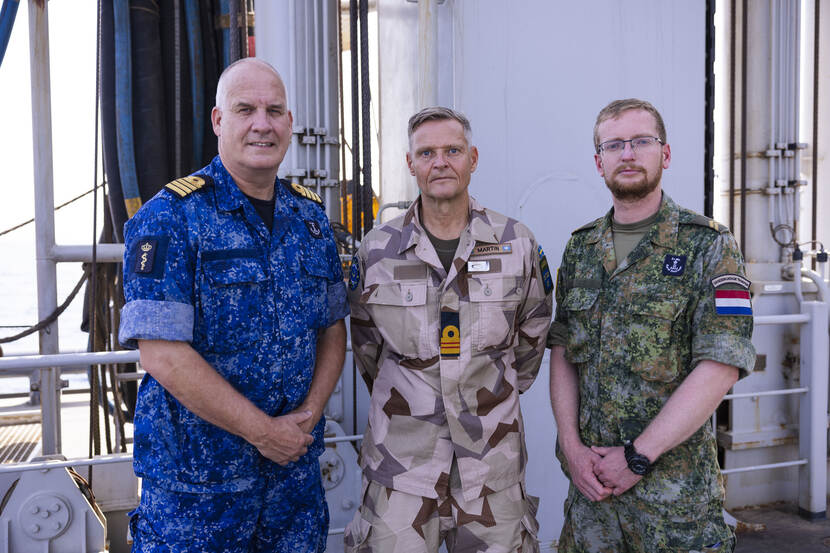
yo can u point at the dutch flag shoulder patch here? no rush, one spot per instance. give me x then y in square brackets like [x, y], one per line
[732, 295]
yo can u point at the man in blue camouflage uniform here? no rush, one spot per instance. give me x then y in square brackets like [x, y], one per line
[652, 327]
[235, 299]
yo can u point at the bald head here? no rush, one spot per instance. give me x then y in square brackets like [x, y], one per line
[239, 70]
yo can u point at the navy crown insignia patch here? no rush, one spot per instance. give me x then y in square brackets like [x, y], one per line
[186, 185]
[674, 265]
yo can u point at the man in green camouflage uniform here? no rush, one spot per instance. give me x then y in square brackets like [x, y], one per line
[451, 303]
[653, 325]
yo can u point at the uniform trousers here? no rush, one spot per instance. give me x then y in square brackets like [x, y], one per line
[283, 512]
[391, 521]
[626, 524]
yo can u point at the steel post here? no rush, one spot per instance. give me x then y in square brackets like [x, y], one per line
[812, 430]
[47, 294]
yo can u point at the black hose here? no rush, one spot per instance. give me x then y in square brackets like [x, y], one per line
[709, 117]
[733, 31]
[357, 200]
[366, 97]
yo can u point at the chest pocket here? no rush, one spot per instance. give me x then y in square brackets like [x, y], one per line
[400, 312]
[650, 346]
[495, 303]
[583, 323]
[233, 300]
[314, 278]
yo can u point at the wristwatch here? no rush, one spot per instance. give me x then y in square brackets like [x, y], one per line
[637, 463]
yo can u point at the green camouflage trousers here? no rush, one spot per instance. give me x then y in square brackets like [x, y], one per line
[390, 521]
[626, 524]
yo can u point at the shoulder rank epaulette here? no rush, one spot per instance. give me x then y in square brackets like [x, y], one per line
[702, 221]
[303, 192]
[590, 225]
[185, 186]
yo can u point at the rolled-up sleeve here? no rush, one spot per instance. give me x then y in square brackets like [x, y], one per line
[719, 334]
[159, 267]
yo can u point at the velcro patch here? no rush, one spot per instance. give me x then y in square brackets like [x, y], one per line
[674, 265]
[145, 255]
[733, 302]
[354, 273]
[492, 249]
[450, 335]
[314, 228]
[729, 278]
[547, 280]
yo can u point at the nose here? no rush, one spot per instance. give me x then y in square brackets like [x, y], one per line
[628, 150]
[440, 159]
[259, 121]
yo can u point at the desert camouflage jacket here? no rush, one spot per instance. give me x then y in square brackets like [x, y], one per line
[445, 356]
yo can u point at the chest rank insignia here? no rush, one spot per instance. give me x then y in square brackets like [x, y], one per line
[450, 335]
[304, 192]
[492, 249]
[674, 265]
[186, 185]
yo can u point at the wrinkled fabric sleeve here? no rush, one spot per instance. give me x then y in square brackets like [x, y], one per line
[726, 339]
[558, 333]
[338, 304]
[158, 305]
[367, 342]
[533, 321]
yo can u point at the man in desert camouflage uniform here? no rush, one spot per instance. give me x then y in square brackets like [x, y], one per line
[653, 325]
[451, 303]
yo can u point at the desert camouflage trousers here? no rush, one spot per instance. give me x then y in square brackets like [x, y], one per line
[390, 521]
[626, 524]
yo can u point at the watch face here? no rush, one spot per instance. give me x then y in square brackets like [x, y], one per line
[638, 466]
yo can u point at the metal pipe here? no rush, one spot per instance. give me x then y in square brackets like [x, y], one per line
[783, 392]
[765, 467]
[292, 75]
[812, 427]
[47, 293]
[744, 75]
[112, 253]
[781, 319]
[116, 458]
[427, 53]
[68, 360]
[318, 140]
[814, 174]
[309, 83]
[400, 205]
[732, 65]
[821, 285]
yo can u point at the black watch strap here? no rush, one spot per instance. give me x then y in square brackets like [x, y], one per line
[638, 463]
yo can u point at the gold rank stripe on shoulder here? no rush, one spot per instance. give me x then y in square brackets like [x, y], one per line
[707, 222]
[304, 192]
[185, 185]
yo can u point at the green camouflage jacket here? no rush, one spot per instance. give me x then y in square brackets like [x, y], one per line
[445, 356]
[637, 327]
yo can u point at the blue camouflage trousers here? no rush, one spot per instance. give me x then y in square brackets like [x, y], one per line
[285, 511]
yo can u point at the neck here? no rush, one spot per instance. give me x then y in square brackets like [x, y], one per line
[257, 184]
[632, 211]
[445, 219]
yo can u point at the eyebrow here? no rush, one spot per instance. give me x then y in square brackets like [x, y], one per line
[447, 147]
[243, 104]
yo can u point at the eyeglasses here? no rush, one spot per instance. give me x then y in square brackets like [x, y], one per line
[617, 146]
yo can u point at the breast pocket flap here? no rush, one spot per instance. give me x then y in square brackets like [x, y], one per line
[399, 294]
[496, 288]
[580, 299]
[227, 272]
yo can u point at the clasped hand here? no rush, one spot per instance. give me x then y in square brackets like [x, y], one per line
[599, 472]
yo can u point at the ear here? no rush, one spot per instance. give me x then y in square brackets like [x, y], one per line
[409, 164]
[598, 162]
[291, 121]
[666, 156]
[216, 120]
[474, 158]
